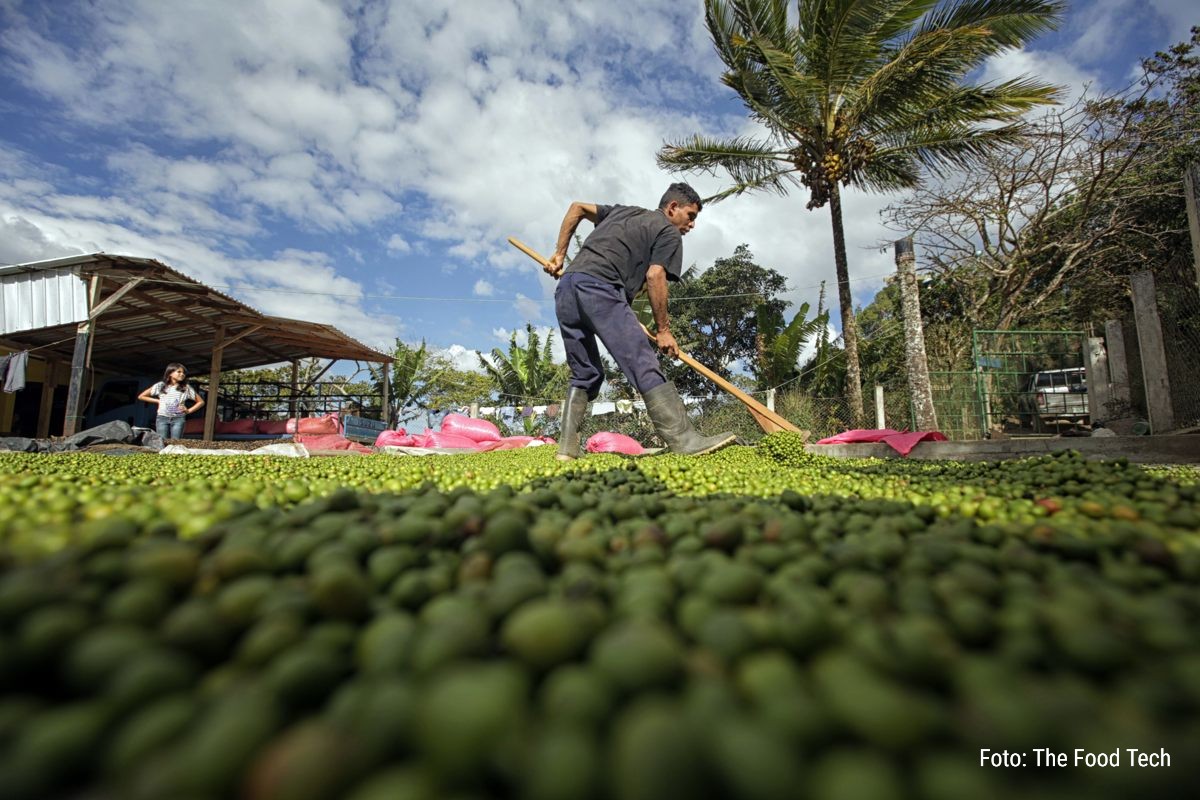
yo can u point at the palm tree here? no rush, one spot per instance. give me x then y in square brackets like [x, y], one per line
[525, 373]
[863, 93]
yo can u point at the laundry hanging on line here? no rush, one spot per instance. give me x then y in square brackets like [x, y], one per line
[14, 371]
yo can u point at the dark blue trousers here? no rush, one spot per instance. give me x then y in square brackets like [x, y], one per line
[587, 309]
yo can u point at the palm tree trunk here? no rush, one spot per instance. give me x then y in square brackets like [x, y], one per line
[846, 303]
[914, 337]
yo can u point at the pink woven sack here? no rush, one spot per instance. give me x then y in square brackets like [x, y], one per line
[398, 438]
[326, 424]
[241, 426]
[477, 430]
[515, 442]
[609, 442]
[449, 440]
[330, 441]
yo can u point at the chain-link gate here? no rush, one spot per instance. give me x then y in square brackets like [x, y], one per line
[1029, 381]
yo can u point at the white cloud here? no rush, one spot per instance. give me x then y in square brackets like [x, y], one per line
[461, 357]
[277, 125]
[397, 245]
[1050, 67]
[504, 335]
[527, 308]
[21, 242]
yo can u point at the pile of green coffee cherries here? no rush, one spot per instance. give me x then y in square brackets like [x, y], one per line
[759, 623]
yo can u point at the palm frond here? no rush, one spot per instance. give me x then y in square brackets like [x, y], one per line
[749, 162]
[766, 17]
[877, 83]
[889, 171]
[922, 69]
[778, 183]
[1012, 22]
[841, 45]
[896, 19]
[937, 148]
[780, 344]
[965, 106]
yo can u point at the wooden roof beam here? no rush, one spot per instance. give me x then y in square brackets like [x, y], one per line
[114, 298]
[217, 323]
[204, 333]
[175, 309]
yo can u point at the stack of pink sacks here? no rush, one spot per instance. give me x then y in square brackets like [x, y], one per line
[323, 433]
[326, 425]
[459, 432]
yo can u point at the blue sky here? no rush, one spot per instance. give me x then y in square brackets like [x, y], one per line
[361, 163]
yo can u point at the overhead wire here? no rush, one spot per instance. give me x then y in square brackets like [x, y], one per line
[434, 298]
[431, 298]
[882, 329]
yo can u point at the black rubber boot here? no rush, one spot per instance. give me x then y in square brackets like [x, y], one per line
[665, 407]
[573, 411]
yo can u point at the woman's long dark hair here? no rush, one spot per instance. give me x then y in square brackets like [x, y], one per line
[171, 368]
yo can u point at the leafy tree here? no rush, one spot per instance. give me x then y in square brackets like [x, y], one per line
[863, 93]
[448, 386]
[526, 373]
[714, 316]
[424, 382]
[413, 381]
[1045, 234]
[881, 326]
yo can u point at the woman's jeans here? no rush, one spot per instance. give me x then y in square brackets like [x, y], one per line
[170, 427]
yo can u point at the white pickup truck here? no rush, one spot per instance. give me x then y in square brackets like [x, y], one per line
[1058, 395]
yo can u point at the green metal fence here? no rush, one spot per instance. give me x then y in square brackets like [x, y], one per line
[996, 395]
[1000, 393]
[956, 403]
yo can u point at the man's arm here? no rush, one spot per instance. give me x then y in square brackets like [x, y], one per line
[656, 289]
[575, 214]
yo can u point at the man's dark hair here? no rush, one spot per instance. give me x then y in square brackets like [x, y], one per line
[681, 193]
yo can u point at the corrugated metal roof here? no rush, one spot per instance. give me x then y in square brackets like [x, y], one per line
[41, 299]
[90, 262]
[165, 316]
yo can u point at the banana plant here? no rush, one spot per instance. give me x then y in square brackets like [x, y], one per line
[779, 346]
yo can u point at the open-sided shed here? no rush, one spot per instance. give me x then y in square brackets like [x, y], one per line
[127, 315]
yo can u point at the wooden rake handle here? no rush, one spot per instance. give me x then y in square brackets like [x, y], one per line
[767, 419]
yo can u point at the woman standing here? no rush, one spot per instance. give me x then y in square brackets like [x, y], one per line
[172, 394]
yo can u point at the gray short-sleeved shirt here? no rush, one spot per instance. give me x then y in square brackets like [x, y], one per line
[626, 241]
[173, 400]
